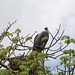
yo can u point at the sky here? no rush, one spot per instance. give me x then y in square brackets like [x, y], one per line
[35, 15]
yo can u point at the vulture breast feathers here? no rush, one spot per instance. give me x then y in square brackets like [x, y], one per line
[40, 40]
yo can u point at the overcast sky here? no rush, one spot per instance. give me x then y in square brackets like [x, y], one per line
[35, 15]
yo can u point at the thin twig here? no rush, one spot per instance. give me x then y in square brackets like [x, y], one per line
[6, 29]
[5, 66]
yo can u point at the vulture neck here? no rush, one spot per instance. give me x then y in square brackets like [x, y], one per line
[46, 31]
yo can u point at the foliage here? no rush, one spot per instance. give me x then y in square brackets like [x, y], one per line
[68, 39]
[32, 62]
[28, 38]
[18, 30]
[68, 60]
[6, 34]
[6, 72]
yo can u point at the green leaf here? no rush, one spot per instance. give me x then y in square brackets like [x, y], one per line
[60, 73]
[67, 41]
[24, 73]
[61, 63]
[74, 61]
[4, 34]
[15, 39]
[10, 34]
[18, 30]
[28, 38]
[44, 38]
[16, 61]
[65, 37]
[22, 37]
[16, 71]
[1, 46]
[74, 54]
[10, 48]
[5, 72]
[72, 40]
[40, 73]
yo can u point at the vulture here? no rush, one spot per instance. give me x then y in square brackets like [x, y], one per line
[40, 40]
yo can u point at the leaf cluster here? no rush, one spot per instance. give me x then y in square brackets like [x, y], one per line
[34, 64]
[67, 39]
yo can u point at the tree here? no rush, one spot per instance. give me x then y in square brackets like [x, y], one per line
[32, 62]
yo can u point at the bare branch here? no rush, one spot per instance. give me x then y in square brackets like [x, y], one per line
[34, 33]
[24, 46]
[27, 52]
[58, 39]
[51, 34]
[6, 66]
[21, 49]
[52, 57]
[54, 38]
[60, 55]
[6, 29]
